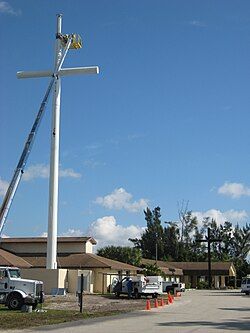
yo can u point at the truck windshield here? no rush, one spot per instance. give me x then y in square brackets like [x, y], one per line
[14, 273]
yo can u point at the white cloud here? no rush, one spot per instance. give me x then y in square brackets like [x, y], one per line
[120, 199]
[198, 23]
[69, 173]
[231, 215]
[106, 231]
[3, 187]
[6, 8]
[234, 190]
[72, 233]
[42, 171]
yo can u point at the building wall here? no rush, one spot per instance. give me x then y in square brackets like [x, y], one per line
[88, 248]
[52, 278]
[73, 280]
[103, 279]
[33, 248]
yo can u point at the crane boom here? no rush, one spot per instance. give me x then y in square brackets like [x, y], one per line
[9, 196]
[4, 210]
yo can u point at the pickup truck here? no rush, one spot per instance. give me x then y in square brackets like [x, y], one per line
[141, 286]
[16, 292]
[245, 285]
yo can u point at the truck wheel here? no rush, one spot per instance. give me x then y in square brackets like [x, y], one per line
[15, 302]
[155, 295]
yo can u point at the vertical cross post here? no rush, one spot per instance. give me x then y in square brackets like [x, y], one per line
[209, 240]
[54, 157]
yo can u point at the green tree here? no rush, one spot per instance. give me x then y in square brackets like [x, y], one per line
[124, 254]
[189, 226]
[152, 270]
[151, 241]
[171, 239]
[240, 249]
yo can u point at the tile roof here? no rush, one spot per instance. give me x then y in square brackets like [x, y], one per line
[44, 240]
[167, 268]
[9, 259]
[202, 265]
[82, 260]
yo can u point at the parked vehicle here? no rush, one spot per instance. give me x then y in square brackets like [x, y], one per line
[15, 291]
[173, 286]
[140, 286]
[245, 285]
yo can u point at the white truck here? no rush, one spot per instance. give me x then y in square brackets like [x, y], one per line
[16, 292]
[245, 285]
[173, 286]
[141, 286]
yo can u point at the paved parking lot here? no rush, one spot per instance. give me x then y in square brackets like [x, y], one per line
[196, 311]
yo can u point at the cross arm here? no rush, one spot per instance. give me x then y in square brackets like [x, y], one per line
[62, 72]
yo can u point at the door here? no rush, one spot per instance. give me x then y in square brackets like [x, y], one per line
[3, 280]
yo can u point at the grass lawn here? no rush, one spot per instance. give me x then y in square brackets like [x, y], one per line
[19, 320]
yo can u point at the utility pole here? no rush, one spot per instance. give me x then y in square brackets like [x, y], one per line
[209, 240]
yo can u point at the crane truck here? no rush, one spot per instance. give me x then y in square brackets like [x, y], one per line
[16, 292]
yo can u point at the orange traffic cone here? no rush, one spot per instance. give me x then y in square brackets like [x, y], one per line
[170, 298]
[148, 305]
[156, 303]
[161, 302]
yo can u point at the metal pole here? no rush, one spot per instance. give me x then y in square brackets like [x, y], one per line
[54, 158]
[81, 293]
[209, 258]
[156, 249]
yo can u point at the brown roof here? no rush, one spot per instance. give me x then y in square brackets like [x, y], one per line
[166, 267]
[44, 240]
[82, 260]
[201, 268]
[201, 265]
[9, 259]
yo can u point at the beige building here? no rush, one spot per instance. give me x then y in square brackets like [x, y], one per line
[171, 272]
[74, 257]
[191, 273]
[223, 273]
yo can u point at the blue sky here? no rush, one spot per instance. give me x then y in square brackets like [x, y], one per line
[165, 121]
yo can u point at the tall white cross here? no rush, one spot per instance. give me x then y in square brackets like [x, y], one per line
[63, 43]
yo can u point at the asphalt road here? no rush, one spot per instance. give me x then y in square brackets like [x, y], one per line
[196, 311]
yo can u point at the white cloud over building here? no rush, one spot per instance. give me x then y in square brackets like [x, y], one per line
[121, 199]
[231, 215]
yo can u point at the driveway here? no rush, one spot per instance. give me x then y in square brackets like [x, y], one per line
[196, 311]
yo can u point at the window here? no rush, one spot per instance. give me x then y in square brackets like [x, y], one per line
[14, 273]
[2, 274]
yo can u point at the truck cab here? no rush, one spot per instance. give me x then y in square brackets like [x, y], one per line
[15, 291]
